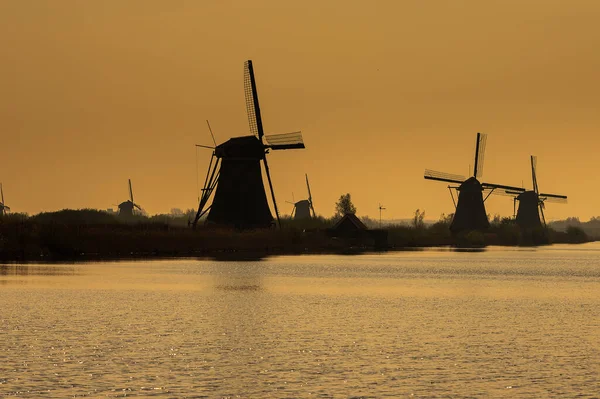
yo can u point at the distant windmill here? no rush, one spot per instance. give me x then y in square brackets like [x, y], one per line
[381, 208]
[470, 211]
[531, 202]
[234, 172]
[304, 209]
[3, 208]
[126, 208]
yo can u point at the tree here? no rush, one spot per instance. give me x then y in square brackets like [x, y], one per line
[344, 206]
[417, 221]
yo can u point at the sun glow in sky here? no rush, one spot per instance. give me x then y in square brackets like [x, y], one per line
[94, 93]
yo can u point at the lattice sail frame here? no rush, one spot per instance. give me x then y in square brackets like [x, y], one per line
[249, 95]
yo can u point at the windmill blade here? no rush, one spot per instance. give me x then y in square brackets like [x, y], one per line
[285, 141]
[6, 208]
[205, 146]
[252, 105]
[500, 192]
[542, 206]
[272, 192]
[2, 192]
[310, 201]
[553, 199]
[130, 192]
[533, 173]
[137, 206]
[442, 176]
[479, 155]
[211, 133]
[553, 196]
[308, 188]
[502, 187]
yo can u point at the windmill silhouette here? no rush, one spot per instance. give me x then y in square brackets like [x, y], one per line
[470, 211]
[304, 209]
[532, 202]
[126, 208]
[381, 208]
[234, 172]
[4, 209]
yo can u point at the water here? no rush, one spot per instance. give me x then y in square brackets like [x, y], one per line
[437, 323]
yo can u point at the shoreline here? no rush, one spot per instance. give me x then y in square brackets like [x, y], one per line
[250, 255]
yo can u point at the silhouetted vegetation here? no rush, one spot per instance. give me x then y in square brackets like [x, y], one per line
[75, 234]
[344, 206]
[591, 227]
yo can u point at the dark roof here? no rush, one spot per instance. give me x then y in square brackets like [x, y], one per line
[241, 147]
[349, 222]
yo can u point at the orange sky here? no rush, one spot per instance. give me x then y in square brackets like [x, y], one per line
[94, 93]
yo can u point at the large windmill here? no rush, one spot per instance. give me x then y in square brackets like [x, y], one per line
[470, 211]
[304, 209]
[531, 202]
[126, 208]
[3, 208]
[234, 172]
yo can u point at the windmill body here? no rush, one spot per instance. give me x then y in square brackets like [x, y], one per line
[470, 213]
[528, 214]
[235, 174]
[302, 210]
[126, 208]
[240, 197]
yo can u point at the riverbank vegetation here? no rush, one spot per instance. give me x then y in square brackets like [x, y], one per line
[76, 234]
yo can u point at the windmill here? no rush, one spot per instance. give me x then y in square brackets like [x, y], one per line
[532, 202]
[381, 208]
[470, 211]
[3, 208]
[234, 172]
[126, 208]
[304, 209]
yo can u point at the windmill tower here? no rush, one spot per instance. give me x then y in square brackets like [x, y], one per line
[234, 172]
[304, 209]
[470, 211]
[3, 208]
[532, 202]
[126, 208]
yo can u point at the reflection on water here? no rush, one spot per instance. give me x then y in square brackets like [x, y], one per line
[435, 323]
[35, 270]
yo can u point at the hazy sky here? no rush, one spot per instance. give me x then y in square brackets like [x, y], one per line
[96, 92]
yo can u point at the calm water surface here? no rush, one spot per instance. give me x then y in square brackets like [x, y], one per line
[500, 323]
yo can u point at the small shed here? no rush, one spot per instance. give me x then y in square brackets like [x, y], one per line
[349, 223]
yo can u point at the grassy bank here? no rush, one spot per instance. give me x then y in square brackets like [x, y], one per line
[93, 234]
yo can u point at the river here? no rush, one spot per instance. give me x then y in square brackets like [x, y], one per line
[503, 322]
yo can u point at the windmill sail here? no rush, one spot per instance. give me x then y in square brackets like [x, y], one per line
[252, 104]
[285, 141]
[479, 155]
[310, 197]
